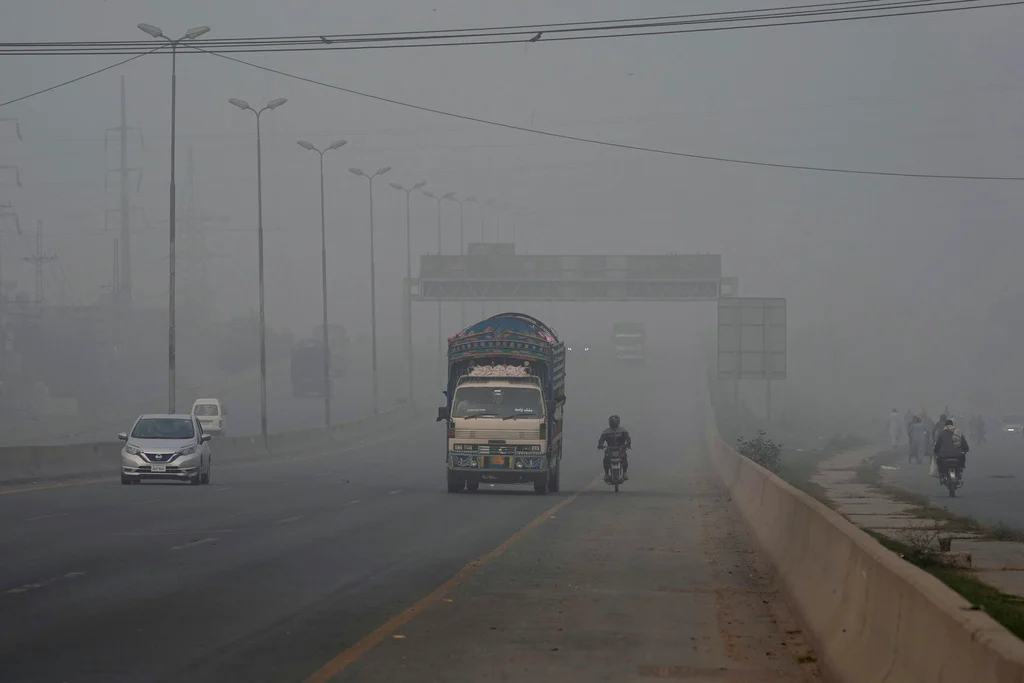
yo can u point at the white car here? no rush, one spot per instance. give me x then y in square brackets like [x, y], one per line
[169, 447]
[211, 413]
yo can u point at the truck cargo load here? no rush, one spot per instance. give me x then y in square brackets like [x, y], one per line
[505, 392]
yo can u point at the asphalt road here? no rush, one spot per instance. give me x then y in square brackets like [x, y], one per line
[992, 486]
[293, 570]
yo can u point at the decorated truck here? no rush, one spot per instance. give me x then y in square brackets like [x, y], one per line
[504, 404]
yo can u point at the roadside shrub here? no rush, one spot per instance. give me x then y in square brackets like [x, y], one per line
[761, 450]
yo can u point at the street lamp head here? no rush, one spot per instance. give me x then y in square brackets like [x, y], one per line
[382, 170]
[274, 104]
[356, 171]
[338, 143]
[471, 200]
[429, 194]
[397, 186]
[194, 33]
[420, 184]
[450, 195]
[307, 145]
[152, 30]
[241, 104]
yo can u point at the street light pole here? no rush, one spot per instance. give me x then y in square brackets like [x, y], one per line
[191, 34]
[440, 329]
[373, 280]
[408, 272]
[273, 104]
[328, 384]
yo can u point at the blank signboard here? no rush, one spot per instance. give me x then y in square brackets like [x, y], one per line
[751, 338]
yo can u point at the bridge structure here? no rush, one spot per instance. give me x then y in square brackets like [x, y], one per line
[496, 273]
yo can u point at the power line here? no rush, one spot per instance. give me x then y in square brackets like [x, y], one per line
[606, 143]
[640, 27]
[75, 80]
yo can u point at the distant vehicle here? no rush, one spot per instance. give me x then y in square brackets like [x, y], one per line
[1012, 425]
[307, 366]
[211, 414]
[579, 351]
[164, 446]
[630, 340]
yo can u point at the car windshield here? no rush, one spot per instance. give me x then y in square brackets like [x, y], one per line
[205, 409]
[500, 402]
[163, 428]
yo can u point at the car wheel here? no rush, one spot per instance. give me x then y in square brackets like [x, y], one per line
[198, 478]
[541, 485]
[455, 483]
[205, 478]
[555, 482]
[125, 480]
[472, 486]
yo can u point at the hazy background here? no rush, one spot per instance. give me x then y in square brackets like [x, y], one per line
[901, 292]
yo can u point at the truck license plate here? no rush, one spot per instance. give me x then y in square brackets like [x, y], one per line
[498, 460]
[159, 468]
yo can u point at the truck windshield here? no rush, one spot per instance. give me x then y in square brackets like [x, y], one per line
[499, 402]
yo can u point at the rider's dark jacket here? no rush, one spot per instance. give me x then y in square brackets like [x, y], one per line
[614, 438]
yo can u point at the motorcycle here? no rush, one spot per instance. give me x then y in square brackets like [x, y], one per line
[951, 476]
[616, 475]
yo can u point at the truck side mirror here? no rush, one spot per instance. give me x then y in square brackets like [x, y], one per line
[442, 413]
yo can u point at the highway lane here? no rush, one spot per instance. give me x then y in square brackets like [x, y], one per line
[992, 487]
[278, 566]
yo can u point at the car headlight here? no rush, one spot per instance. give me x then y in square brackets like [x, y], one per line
[187, 450]
[132, 450]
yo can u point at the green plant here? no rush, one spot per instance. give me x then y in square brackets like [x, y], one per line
[761, 450]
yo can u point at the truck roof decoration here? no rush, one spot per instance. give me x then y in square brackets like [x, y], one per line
[499, 371]
[507, 334]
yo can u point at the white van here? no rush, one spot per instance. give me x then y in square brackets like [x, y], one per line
[211, 413]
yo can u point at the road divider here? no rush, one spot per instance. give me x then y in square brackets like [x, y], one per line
[24, 464]
[871, 616]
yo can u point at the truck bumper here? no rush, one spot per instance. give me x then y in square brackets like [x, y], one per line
[513, 469]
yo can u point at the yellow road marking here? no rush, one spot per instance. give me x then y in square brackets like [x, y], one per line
[350, 655]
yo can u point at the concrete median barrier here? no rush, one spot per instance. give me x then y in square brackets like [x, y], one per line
[872, 616]
[21, 464]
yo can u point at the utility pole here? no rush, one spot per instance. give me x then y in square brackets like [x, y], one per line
[38, 260]
[6, 211]
[124, 291]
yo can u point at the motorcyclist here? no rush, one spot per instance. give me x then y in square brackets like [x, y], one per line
[615, 437]
[950, 443]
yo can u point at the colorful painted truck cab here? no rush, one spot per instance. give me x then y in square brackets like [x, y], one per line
[505, 398]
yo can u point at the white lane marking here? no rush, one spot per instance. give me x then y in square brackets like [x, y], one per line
[391, 493]
[56, 514]
[289, 519]
[191, 544]
[32, 586]
[169, 533]
[352, 502]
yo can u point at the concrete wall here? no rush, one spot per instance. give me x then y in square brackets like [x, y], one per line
[872, 616]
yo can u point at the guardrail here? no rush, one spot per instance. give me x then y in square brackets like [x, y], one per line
[21, 464]
[870, 615]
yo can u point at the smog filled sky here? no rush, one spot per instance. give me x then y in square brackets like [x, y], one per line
[893, 283]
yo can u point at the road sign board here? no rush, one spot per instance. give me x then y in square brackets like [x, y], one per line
[751, 338]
